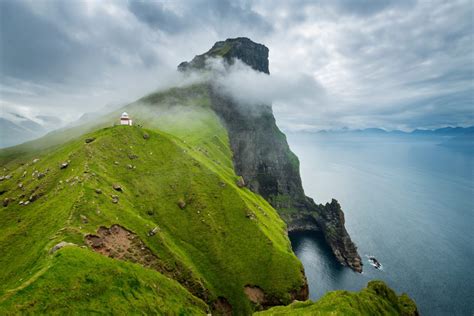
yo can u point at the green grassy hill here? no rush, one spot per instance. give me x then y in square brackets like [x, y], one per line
[376, 299]
[78, 281]
[209, 234]
[156, 217]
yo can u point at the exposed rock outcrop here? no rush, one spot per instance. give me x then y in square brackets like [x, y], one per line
[261, 155]
[233, 48]
[332, 223]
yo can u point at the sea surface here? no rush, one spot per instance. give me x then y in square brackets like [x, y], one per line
[407, 201]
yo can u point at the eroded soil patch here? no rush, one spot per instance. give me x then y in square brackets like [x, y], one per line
[120, 243]
[263, 301]
[255, 294]
[222, 307]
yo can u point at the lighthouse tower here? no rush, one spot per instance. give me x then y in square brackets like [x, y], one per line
[125, 119]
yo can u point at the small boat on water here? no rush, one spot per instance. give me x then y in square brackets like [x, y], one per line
[375, 263]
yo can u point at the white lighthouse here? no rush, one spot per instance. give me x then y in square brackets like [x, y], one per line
[125, 119]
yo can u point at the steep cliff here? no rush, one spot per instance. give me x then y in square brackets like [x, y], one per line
[261, 155]
[155, 218]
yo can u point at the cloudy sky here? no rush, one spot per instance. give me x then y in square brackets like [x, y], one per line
[363, 63]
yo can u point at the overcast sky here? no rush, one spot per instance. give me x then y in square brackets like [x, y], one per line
[361, 63]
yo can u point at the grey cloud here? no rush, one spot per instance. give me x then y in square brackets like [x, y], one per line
[156, 15]
[333, 63]
[221, 14]
[32, 48]
[66, 44]
[368, 7]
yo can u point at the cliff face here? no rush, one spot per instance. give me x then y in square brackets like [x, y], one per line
[261, 155]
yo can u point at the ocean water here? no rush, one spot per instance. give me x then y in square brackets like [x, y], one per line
[407, 201]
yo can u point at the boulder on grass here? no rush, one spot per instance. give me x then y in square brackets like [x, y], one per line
[115, 199]
[181, 204]
[62, 244]
[153, 231]
[240, 182]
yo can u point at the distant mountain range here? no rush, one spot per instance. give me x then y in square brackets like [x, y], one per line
[453, 137]
[16, 128]
[445, 131]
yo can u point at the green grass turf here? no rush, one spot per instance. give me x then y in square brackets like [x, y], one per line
[376, 299]
[212, 240]
[225, 238]
[78, 281]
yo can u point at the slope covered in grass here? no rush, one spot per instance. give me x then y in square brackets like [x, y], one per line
[376, 299]
[78, 281]
[223, 238]
[169, 185]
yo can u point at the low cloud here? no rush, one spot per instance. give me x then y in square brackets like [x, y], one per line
[250, 87]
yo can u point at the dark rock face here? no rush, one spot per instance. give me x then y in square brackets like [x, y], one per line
[332, 225]
[253, 54]
[262, 156]
[264, 159]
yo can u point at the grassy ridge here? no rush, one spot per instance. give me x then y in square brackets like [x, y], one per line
[225, 238]
[376, 299]
[78, 281]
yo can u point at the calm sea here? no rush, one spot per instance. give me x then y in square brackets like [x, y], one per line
[408, 201]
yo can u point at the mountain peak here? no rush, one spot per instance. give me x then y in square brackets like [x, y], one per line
[253, 54]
